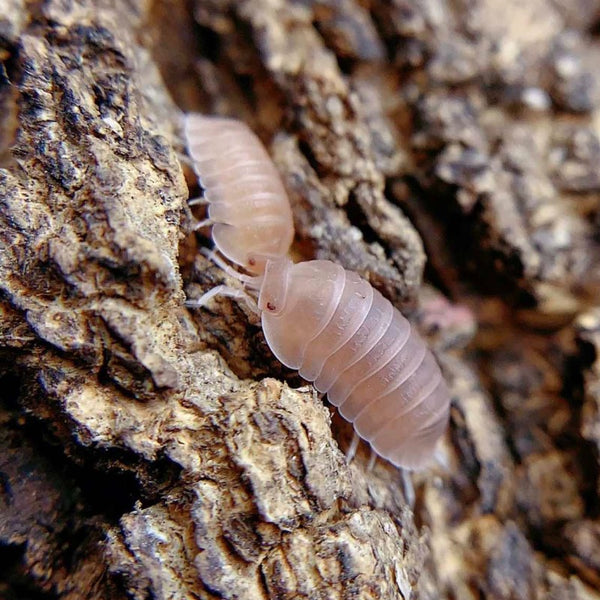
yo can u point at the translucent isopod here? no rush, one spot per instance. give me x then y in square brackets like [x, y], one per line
[248, 207]
[340, 333]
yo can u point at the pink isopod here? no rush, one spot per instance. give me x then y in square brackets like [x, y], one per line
[317, 317]
[248, 206]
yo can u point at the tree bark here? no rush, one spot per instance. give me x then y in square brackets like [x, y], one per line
[151, 451]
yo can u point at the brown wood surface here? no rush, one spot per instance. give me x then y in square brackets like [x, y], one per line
[447, 151]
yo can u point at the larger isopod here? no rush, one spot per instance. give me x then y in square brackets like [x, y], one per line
[318, 318]
[340, 333]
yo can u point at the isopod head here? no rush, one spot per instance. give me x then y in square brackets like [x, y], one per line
[273, 291]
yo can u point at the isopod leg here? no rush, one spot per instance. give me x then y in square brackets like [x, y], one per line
[224, 290]
[220, 262]
[201, 224]
[408, 489]
[351, 452]
[199, 201]
[372, 460]
[440, 456]
[186, 160]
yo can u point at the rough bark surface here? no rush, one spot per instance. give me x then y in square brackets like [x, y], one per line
[149, 451]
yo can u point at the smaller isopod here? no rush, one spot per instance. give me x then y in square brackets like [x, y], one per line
[318, 318]
[248, 206]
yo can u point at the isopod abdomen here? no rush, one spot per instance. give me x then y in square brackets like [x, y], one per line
[342, 334]
[248, 205]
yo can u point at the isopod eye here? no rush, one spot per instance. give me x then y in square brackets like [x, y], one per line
[271, 306]
[252, 262]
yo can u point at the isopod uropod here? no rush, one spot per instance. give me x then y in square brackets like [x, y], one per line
[318, 318]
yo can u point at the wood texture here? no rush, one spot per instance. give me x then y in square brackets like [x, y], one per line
[150, 452]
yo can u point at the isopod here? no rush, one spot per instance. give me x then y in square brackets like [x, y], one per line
[248, 206]
[340, 333]
[318, 318]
